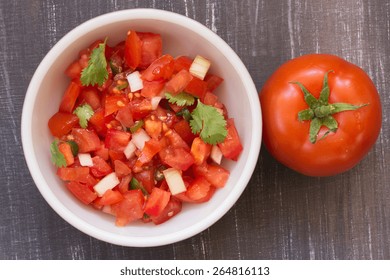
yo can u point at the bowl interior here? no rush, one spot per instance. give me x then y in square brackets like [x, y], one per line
[181, 36]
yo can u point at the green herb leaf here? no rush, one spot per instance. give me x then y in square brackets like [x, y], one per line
[74, 147]
[181, 99]
[207, 121]
[96, 71]
[57, 157]
[84, 113]
[136, 126]
[135, 185]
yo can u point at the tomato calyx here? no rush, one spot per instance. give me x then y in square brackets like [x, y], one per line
[320, 111]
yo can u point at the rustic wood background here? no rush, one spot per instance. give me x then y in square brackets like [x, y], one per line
[281, 215]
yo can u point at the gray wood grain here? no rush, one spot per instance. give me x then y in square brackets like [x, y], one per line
[281, 215]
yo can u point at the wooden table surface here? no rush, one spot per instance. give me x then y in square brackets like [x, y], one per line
[281, 214]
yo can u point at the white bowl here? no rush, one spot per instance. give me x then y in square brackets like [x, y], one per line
[181, 36]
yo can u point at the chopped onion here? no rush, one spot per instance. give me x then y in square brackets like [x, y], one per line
[199, 67]
[155, 101]
[130, 149]
[174, 180]
[216, 154]
[140, 138]
[107, 183]
[85, 159]
[135, 81]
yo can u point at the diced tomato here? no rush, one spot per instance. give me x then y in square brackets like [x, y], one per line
[133, 48]
[156, 202]
[87, 180]
[210, 98]
[200, 151]
[215, 174]
[151, 148]
[184, 130]
[102, 152]
[130, 208]
[175, 140]
[121, 169]
[61, 124]
[151, 48]
[111, 197]
[161, 68]
[125, 116]
[140, 108]
[213, 81]
[153, 127]
[98, 122]
[72, 173]
[231, 148]
[116, 155]
[91, 97]
[83, 193]
[113, 103]
[196, 87]
[178, 158]
[179, 82]
[152, 88]
[146, 178]
[173, 207]
[124, 184]
[200, 190]
[69, 99]
[87, 140]
[66, 150]
[74, 70]
[182, 62]
[117, 140]
[100, 167]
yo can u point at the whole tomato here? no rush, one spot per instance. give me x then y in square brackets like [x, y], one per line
[321, 114]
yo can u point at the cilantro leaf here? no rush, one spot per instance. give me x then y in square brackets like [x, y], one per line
[181, 99]
[57, 157]
[207, 121]
[84, 113]
[96, 71]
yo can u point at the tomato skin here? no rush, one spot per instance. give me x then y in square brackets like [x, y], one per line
[133, 46]
[173, 208]
[151, 48]
[61, 124]
[287, 139]
[69, 99]
[161, 68]
[231, 147]
[130, 208]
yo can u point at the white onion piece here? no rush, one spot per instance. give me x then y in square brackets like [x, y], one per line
[155, 101]
[107, 209]
[130, 149]
[216, 154]
[199, 67]
[140, 138]
[135, 81]
[174, 180]
[85, 159]
[107, 183]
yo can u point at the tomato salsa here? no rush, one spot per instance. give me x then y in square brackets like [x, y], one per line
[138, 132]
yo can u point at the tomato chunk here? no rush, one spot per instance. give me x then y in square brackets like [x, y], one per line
[161, 68]
[72, 173]
[173, 207]
[61, 124]
[133, 47]
[178, 158]
[157, 201]
[117, 140]
[66, 150]
[70, 97]
[178, 83]
[151, 48]
[231, 148]
[87, 140]
[83, 193]
[200, 151]
[111, 197]
[215, 174]
[130, 208]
